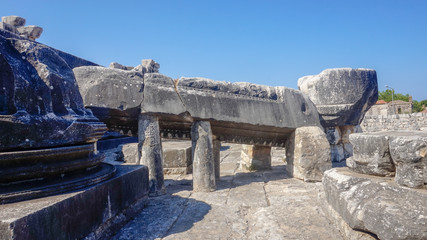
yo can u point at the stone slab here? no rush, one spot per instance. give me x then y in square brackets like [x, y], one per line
[94, 213]
[371, 154]
[376, 204]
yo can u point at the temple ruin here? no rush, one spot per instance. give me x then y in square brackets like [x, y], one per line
[55, 107]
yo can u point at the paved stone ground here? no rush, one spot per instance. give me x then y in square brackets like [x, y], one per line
[247, 205]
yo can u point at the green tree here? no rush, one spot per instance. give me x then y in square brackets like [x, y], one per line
[387, 96]
[419, 106]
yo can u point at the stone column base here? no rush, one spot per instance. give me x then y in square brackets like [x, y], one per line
[95, 213]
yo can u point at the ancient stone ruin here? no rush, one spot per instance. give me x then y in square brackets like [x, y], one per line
[54, 107]
[17, 26]
[383, 190]
[342, 96]
[48, 146]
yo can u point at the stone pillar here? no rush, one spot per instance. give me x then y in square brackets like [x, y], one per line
[150, 151]
[217, 157]
[308, 154]
[255, 157]
[203, 157]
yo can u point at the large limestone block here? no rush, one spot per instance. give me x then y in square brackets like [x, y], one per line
[371, 154]
[308, 154]
[246, 103]
[110, 88]
[409, 153]
[160, 96]
[341, 95]
[376, 204]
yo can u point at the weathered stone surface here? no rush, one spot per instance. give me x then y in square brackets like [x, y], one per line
[228, 106]
[203, 162]
[96, 212]
[32, 32]
[371, 154]
[110, 88]
[39, 99]
[241, 103]
[247, 205]
[14, 20]
[150, 152]
[346, 231]
[256, 157]
[409, 153]
[160, 96]
[308, 154]
[341, 95]
[376, 204]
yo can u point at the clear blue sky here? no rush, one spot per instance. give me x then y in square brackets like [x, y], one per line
[265, 42]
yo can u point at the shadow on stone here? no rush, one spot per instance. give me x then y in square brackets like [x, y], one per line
[246, 178]
[166, 214]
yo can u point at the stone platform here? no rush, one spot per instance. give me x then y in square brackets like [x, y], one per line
[92, 213]
[246, 205]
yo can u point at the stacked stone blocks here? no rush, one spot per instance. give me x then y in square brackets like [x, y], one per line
[401, 154]
[384, 189]
[414, 121]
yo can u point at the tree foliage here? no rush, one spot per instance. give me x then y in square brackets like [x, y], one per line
[417, 106]
[388, 94]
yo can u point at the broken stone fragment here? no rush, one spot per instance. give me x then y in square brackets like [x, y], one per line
[31, 32]
[341, 95]
[371, 154]
[150, 66]
[119, 66]
[308, 154]
[14, 21]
